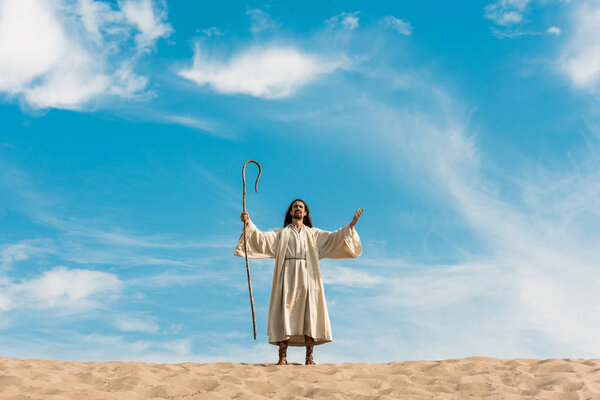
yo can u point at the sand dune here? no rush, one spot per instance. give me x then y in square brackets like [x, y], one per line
[469, 378]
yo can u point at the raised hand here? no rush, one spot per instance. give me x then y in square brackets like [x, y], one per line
[356, 216]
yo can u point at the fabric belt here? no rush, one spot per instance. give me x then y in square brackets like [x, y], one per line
[295, 258]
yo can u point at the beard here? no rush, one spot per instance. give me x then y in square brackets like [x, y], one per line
[297, 216]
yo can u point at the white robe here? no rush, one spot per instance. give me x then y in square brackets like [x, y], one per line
[297, 305]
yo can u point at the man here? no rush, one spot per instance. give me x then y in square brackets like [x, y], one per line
[297, 311]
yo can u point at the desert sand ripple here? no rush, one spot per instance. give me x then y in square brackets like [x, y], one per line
[469, 378]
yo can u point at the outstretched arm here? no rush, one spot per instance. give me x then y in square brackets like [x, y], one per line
[343, 243]
[259, 244]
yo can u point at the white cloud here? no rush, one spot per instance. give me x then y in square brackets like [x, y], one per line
[212, 31]
[143, 14]
[261, 21]
[506, 12]
[554, 30]
[130, 324]
[6, 303]
[580, 58]
[507, 18]
[69, 84]
[348, 21]
[70, 53]
[99, 18]
[61, 288]
[400, 26]
[127, 84]
[192, 122]
[13, 252]
[268, 72]
[42, 41]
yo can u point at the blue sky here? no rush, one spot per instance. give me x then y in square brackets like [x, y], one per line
[468, 131]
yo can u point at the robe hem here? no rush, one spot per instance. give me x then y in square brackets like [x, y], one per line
[298, 341]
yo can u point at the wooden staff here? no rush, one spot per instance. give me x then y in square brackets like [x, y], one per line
[245, 250]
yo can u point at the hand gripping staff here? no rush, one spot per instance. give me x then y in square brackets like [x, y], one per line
[245, 250]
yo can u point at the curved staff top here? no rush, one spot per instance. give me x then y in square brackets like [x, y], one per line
[245, 250]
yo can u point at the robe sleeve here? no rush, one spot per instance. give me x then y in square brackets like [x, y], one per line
[343, 243]
[259, 244]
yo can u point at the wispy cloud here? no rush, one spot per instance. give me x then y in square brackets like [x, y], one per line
[136, 324]
[14, 252]
[347, 20]
[532, 249]
[129, 239]
[506, 12]
[580, 58]
[212, 31]
[400, 26]
[77, 240]
[261, 21]
[195, 123]
[508, 17]
[343, 276]
[69, 55]
[539, 244]
[269, 72]
[167, 279]
[71, 345]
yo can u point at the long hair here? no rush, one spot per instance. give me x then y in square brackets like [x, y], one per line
[307, 218]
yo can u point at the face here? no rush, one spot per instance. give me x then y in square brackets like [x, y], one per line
[298, 210]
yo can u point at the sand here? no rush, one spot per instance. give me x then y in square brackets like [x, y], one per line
[469, 378]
